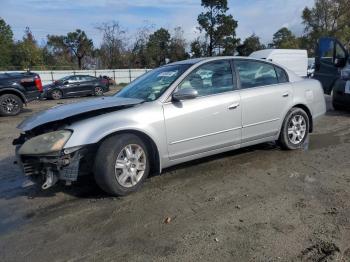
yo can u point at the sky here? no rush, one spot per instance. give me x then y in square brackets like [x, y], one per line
[262, 17]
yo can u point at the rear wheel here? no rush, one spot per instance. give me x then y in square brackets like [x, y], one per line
[56, 94]
[98, 91]
[10, 105]
[295, 129]
[121, 164]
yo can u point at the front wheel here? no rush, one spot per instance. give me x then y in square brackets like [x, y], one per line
[295, 129]
[10, 105]
[121, 164]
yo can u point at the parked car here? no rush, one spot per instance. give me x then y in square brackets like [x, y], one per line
[168, 116]
[75, 85]
[107, 80]
[332, 69]
[16, 90]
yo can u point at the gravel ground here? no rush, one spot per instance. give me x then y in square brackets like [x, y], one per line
[254, 204]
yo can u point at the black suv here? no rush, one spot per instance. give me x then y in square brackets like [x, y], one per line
[75, 85]
[17, 89]
[332, 69]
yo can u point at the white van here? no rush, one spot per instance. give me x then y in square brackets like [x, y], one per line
[294, 59]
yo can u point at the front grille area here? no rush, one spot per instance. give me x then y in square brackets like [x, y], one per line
[31, 169]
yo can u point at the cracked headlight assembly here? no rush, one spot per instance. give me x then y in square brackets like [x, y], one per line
[45, 143]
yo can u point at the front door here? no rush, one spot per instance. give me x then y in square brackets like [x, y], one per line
[329, 53]
[209, 122]
[266, 96]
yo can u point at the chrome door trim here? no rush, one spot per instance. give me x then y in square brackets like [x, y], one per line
[262, 122]
[206, 135]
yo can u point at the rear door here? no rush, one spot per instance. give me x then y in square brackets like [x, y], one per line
[266, 95]
[331, 56]
[87, 84]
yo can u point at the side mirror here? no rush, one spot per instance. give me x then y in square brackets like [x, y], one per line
[66, 82]
[185, 94]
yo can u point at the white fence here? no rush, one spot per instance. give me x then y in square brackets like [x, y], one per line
[118, 75]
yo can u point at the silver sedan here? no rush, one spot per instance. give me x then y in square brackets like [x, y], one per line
[173, 114]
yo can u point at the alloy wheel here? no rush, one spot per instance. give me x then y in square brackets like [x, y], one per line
[130, 165]
[297, 129]
[10, 105]
[98, 91]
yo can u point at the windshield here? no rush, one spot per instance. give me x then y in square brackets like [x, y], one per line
[153, 84]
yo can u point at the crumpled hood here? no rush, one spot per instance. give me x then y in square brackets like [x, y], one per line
[69, 110]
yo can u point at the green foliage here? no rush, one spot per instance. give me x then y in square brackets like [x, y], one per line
[177, 47]
[220, 28]
[284, 39]
[326, 18]
[6, 44]
[26, 53]
[158, 47]
[79, 44]
[250, 45]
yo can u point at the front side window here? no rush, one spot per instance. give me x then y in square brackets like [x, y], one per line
[153, 84]
[254, 74]
[211, 78]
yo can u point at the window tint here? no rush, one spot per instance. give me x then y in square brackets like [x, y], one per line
[282, 75]
[253, 74]
[87, 78]
[211, 78]
[326, 50]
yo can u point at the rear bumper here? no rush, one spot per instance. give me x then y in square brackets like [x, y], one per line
[32, 96]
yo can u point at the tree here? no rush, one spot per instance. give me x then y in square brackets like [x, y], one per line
[250, 45]
[198, 48]
[6, 44]
[113, 45]
[79, 44]
[27, 53]
[139, 50]
[326, 18]
[177, 48]
[158, 47]
[56, 53]
[218, 26]
[284, 38]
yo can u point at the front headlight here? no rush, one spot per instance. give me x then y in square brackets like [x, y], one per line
[45, 143]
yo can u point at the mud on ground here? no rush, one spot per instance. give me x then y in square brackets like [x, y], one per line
[254, 204]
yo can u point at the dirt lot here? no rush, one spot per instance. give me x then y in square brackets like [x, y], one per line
[256, 204]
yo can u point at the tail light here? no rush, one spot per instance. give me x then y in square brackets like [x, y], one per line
[38, 83]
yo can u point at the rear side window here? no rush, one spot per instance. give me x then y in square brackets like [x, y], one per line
[254, 74]
[281, 75]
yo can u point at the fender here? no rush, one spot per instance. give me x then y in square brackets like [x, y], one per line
[95, 129]
[10, 90]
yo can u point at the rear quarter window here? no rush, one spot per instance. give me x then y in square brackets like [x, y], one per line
[281, 75]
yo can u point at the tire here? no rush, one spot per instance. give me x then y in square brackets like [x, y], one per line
[98, 91]
[107, 174]
[10, 105]
[56, 94]
[293, 136]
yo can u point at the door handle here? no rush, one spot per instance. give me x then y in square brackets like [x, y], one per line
[285, 95]
[233, 106]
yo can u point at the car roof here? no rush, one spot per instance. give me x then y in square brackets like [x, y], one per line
[213, 58]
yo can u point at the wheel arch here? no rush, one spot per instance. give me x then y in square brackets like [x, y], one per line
[151, 146]
[307, 111]
[14, 92]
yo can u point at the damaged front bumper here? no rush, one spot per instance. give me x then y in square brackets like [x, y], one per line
[48, 169]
